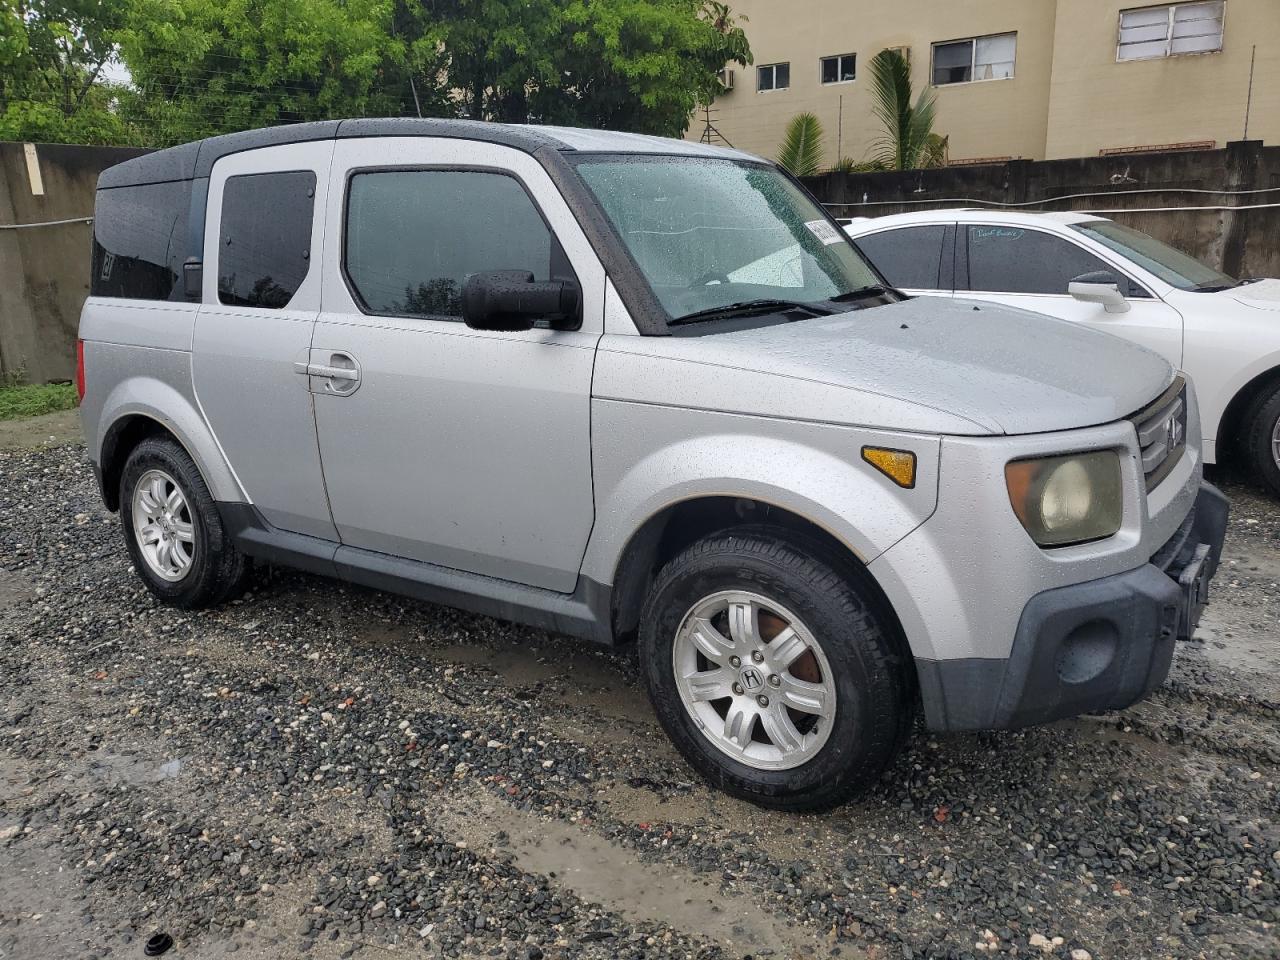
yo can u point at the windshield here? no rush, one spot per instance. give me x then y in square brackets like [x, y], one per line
[1172, 266]
[710, 234]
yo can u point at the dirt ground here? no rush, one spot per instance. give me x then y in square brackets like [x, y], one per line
[335, 772]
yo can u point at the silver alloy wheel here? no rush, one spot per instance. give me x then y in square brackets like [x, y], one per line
[1275, 442]
[163, 527]
[736, 658]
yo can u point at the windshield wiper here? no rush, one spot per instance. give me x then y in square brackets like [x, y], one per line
[747, 308]
[870, 290]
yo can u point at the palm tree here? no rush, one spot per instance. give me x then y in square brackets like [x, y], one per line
[908, 141]
[801, 152]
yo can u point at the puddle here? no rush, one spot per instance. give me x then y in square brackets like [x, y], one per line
[1226, 638]
[602, 872]
[114, 768]
[15, 588]
[576, 679]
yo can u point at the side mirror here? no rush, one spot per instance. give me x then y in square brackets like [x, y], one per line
[192, 279]
[510, 300]
[1099, 287]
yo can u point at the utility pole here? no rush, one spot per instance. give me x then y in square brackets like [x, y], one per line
[416, 105]
[840, 131]
[1248, 101]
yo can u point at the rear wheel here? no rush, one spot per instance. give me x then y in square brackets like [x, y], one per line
[1262, 439]
[771, 671]
[173, 530]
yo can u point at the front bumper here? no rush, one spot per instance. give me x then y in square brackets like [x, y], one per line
[1099, 645]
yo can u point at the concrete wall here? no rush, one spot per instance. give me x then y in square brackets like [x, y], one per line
[44, 271]
[1068, 96]
[1244, 243]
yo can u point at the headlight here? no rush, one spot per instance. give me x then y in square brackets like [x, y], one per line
[1069, 499]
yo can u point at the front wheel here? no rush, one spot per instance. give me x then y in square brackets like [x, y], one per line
[1262, 439]
[771, 670]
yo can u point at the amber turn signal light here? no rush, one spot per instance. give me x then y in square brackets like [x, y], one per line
[898, 465]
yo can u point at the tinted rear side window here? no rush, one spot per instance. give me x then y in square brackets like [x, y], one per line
[1014, 260]
[909, 258]
[414, 236]
[139, 240]
[264, 240]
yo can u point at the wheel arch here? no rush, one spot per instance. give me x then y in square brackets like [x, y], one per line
[677, 525]
[140, 408]
[1232, 423]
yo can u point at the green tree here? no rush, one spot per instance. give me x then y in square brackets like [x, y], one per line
[801, 151]
[638, 65]
[908, 141]
[52, 54]
[203, 67]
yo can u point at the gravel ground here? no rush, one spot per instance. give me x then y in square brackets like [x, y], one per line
[330, 771]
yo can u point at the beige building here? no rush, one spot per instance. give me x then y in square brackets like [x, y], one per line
[1032, 79]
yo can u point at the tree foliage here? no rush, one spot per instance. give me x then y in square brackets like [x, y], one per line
[52, 53]
[801, 151]
[201, 67]
[908, 141]
[638, 65]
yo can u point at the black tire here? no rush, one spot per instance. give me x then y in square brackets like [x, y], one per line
[873, 684]
[218, 570]
[1259, 432]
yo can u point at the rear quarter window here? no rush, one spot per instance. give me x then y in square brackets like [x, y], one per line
[264, 238]
[139, 241]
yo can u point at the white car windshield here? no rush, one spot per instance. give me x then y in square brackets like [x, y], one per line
[1172, 266]
[711, 234]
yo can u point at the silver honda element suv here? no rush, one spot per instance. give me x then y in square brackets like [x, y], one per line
[639, 390]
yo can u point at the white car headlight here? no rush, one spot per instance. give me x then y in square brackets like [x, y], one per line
[1067, 499]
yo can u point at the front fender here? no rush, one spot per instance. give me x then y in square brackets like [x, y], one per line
[156, 386]
[647, 458]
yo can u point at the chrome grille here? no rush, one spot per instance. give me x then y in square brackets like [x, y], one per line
[1162, 433]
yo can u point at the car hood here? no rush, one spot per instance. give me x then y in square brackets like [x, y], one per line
[1260, 294]
[926, 364]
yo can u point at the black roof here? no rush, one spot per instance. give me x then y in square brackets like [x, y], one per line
[196, 159]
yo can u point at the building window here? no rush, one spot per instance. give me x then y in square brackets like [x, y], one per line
[838, 69]
[982, 58]
[1170, 30]
[773, 76]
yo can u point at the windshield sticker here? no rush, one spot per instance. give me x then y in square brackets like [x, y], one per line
[824, 232]
[995, 233]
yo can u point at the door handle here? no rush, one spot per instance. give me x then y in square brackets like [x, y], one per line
[326, 371]
[331, 373]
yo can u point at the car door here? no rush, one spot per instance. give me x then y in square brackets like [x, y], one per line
[1031, 268]
[916, 259]
[462, 448]
[261, 297]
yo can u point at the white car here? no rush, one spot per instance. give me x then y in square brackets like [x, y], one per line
[1223, 332]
